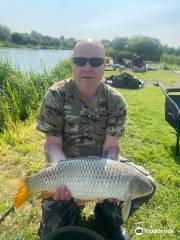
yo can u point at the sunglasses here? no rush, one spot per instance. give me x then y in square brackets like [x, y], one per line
[94, 61]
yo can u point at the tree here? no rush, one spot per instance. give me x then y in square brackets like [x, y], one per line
[46, 41]
[62, 42]
[36, 37]
[119, 43]
[17, 38]
[4, 33]
[178, 52]
[107, 43]
[69, 43]
[148, 48]
[169, 50]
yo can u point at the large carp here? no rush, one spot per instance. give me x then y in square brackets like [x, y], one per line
[87, 178]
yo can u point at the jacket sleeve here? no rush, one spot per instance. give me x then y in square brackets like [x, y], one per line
[50, 120]
[117, 118]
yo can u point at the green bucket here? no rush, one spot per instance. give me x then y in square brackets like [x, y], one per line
[73, 233]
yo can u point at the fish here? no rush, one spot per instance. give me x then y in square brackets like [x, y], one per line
[88, 179]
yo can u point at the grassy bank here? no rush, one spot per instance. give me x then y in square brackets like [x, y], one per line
[149, 141]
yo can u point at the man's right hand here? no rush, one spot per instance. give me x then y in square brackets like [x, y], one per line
[62, 194]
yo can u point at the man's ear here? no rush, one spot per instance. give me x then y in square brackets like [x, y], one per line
[106, 61]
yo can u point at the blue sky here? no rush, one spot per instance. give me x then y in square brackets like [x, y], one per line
[100, 19]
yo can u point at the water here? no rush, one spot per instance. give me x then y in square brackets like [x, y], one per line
[33, 59]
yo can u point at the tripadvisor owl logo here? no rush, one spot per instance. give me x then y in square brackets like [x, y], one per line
[139, 231]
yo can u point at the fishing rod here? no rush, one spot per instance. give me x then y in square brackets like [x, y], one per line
[11, 209]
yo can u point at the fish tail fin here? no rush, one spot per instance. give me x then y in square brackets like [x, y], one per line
[23, 192]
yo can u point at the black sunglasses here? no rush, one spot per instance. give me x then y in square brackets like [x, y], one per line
[94, 61]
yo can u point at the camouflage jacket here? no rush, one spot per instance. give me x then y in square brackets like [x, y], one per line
[82, 125]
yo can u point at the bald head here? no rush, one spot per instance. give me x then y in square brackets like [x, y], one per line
[89, 48]
[88, 66]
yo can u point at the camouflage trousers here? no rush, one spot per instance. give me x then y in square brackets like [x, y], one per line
[56, 214]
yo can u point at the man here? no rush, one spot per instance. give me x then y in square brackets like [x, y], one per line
[82, 117]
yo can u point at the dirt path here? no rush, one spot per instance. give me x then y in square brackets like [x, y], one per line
[163, 83]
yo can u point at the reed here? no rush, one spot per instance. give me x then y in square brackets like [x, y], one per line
[21, 93]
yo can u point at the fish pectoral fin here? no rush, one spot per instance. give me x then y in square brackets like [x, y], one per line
[21, 196]
[83, 202]
[45, 195]
[126, 208]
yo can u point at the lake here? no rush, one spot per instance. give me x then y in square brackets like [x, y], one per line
[34, 59]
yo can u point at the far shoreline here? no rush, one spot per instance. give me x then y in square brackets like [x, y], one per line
[31, 47]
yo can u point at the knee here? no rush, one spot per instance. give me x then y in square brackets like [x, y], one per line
[102, 209]
[109, 214]
[99, 209]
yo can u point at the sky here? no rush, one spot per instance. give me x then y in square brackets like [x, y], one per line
[95, 18]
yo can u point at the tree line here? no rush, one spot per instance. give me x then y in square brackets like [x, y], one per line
[150, 49]
[34, 39]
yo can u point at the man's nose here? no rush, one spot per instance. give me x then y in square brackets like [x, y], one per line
[88, 66]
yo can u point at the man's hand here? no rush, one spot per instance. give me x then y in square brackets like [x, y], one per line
[53, 149]
[62, 194]
[110, 150]
[111, 147]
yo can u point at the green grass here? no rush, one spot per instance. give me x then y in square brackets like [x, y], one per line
[149, 141]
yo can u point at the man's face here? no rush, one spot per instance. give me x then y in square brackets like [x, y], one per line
[87, 77]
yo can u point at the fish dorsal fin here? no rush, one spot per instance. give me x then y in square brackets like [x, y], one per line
[126, 208]
[84, 158]
[94, 157]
